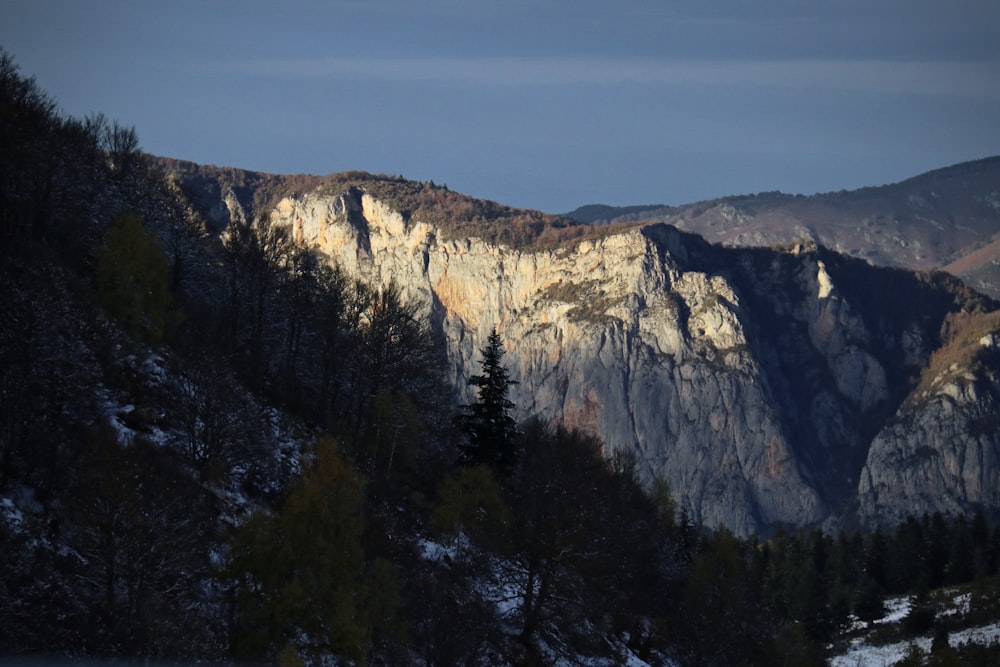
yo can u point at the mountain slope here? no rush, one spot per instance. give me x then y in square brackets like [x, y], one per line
[944, 218]
[752, 380]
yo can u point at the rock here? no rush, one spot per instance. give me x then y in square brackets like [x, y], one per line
[616, 336]
[752, 381]
[941, 453]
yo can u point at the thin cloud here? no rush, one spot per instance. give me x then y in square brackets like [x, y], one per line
[959, 79]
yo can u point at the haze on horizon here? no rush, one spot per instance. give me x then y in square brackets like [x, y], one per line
[542, 105]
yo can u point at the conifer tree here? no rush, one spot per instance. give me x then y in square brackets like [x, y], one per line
[491, 430]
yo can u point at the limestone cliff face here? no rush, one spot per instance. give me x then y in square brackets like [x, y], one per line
[635, 340]
[767, 387]
[753, 381]
[942, 451]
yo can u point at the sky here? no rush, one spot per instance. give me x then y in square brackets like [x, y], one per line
[546, 105]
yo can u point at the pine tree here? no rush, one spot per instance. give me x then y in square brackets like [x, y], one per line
[492, 431]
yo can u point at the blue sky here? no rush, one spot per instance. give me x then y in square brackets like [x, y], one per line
[547, 105]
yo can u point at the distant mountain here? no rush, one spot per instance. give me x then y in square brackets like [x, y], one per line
[602, 213]
[944, 219]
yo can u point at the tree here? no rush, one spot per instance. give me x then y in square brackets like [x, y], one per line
[256, 256]
[725, 619]
[300, 294]
[132, 279]
[471, 503]
[121, 143]
[580, 549]
[302, 576]
[394, 352]
[140, 526]
[491, 430]
[980, 545]
[220, 425]
[329, 318]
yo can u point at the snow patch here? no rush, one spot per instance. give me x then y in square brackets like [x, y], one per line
[896, 610]
[877, 656]
[861, 653]
[960, 606]
[437, 552]
[986, 635]
[11, 515]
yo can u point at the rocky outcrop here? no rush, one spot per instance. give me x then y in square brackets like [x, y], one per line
[941, 453]
[614, 336]
[763, 385]
[627, 337]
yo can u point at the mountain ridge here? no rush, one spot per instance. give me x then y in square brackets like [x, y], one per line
[753, 380]
[955, 227]
[946, 218]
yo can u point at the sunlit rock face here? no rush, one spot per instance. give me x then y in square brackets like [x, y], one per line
[746, 379]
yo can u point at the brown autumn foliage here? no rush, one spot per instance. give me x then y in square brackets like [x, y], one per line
[961, 334]
[454, 215]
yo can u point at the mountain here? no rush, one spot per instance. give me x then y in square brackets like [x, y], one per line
[786, 386]
[226, 435]
[944, 219]
[601, 213]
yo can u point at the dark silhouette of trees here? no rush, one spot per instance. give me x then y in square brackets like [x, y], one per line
[299, 293]
[219, 424]
[256, 255]
[577, 540]
[49, 168]
[393, 352]
[329, 315]
[491, 431]
[121, 145]
[141, 528]
[723, 616]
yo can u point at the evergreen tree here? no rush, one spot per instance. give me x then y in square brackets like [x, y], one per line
[908, 558]
[961, 564]
[980, 545]
[937, 535]
[492, 432]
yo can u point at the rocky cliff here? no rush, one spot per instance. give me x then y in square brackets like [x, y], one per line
[754, 381]
[940, 452]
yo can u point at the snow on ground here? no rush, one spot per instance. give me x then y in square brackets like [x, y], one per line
[115, 413]
[984, 634]
[436, 552]
[867, 655]
[10, 515]
[896, 610]
[864, 655]
[960, 605]
[154, 366]
[861, 653]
